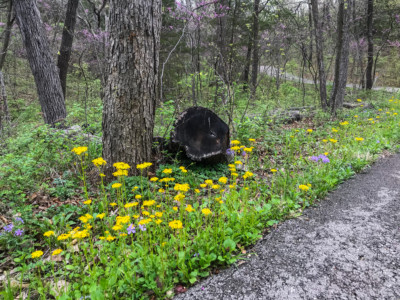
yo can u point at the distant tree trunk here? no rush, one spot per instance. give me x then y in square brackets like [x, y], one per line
[370, 63]
[320, 56]
[41, 62]
[7, 35]
[66, 42]
[342, 55]
[221, 40]
[246, 71]
[131, 89]
[256, 41]
[4, 115]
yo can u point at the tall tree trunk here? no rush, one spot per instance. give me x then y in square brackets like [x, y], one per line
[4, 115]
[221, 40]
[320, 55]
[342, 55]
[131, 89]
[370, 63]
[256, 42]
[66, 42]
[41, 62]
[7, 35]
[246, 71]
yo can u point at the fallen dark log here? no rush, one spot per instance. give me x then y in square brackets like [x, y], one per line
[201, 135]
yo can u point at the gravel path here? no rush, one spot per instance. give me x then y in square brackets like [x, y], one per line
[347, 247]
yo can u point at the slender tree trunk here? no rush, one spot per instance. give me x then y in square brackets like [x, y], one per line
[221, 38]
[320, 55]
[370, 63]
[7, 35]
[4, 115]
[342, 55]
[131, 89]
[66, 42]
[41, 62]
[256, 41]
[246, 71]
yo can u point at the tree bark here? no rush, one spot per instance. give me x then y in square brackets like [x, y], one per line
[256, 41]
[7, 35]
[221, 40]
[131, 89]
[370, 55]
[320, 56]
[41, 62]
[342, 55]
[66, 42]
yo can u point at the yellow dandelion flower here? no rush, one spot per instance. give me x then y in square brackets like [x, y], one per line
[238, 162]
[309, 130]
[99, 162]
[110, 238]
[38, 253]
[153, 179]
[79, 150]
[121, 166]
[116, 227]
[203, 185]
[175, 224]
[56, 252]
[87, 202]
[189, 208]
[113, 204]
[252, 140]
[48, 233]
[167, 171]
[206, 211]
[175, 208]
[116, 185]
[120, 172]
[359, 139]
[223, 180]
[179, 197]
[304, 187]
[63, 236]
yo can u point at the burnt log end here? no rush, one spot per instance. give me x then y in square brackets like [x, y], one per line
[201, 135]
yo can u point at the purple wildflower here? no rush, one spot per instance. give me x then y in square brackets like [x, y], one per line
[9, 228]
[142, 227]
[243, 154]
[196, 254]
[230, 152]
[325, 160]
[314, 158]
[378, 141]
[131, 229]
[18, 232]
[19, 220]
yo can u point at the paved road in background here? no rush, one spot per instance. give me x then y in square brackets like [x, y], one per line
[272, 71]
[347, 247]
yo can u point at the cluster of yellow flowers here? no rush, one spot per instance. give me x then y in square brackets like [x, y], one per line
[79, 150]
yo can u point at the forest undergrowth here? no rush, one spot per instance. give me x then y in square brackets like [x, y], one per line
[67, 234]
